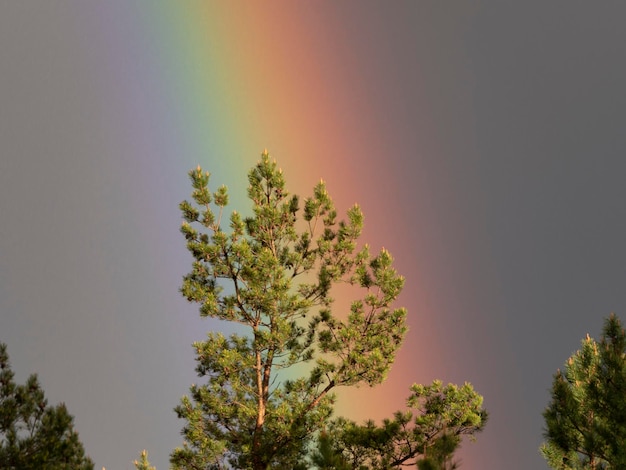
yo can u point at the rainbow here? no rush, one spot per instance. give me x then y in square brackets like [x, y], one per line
[214, 83]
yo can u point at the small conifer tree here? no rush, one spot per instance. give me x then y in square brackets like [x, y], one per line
[586, 417]
[143, 463]
[34, 435]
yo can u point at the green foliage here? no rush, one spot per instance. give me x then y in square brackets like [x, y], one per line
[143, 463]
[34, 435]
[274, 274]
[326, 457]
[586, 418]
[426, 435]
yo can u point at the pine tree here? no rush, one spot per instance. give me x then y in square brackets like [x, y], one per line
[34, 435]
[143, 463]
[327, 457]
[586, 417]
[426, 435]
[275, 273]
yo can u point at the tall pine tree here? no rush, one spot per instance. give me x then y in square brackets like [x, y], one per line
[274, 273]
